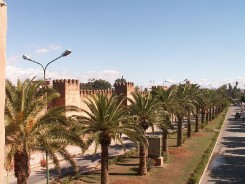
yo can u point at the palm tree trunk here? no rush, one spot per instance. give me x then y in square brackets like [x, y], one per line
[207, 117]
[179, 131]
[22, 166]
[203, 115]
[197, 122]
[210, 114]
[142, 165]
[165, 142]
[213, 112]
[104, 164]
[189, 126]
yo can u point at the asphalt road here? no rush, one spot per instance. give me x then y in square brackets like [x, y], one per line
[227, 164]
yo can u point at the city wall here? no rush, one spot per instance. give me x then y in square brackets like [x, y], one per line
[71, 95]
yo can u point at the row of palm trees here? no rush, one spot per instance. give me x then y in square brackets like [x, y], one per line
[31, 127]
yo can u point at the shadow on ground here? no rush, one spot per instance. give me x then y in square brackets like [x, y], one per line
[229, 167]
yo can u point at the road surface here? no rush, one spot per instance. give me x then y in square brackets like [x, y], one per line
[227, 164]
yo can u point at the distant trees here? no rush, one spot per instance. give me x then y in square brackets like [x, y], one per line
[99, 84]
[234, 91]
[96, 85]
[121, 80]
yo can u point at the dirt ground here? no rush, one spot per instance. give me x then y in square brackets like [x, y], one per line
[126, 173]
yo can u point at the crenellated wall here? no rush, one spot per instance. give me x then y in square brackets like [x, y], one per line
[160, 87]
[70, 93]
[69, 90]
[125, 89]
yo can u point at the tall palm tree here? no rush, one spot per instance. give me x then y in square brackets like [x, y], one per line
[164, 124]
[31, 127]
[183, 105]
[105, 120]
[165, 99]
[145, 109]
[193, 90]
[198, 99]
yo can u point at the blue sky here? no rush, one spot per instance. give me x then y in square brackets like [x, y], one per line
[142, 40]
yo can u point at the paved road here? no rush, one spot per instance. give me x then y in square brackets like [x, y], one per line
[227, 163]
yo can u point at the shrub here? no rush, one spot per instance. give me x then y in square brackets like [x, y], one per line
[150, 164]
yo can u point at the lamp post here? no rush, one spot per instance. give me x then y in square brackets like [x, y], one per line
[25, 57]
[170, 82]
[65, 53]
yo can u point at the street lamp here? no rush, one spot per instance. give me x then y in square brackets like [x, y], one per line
[170, 82]
[25, 57]
[183, 81]
[65, 53]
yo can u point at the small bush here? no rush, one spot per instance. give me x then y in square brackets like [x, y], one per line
[150, 163]
[165, 156]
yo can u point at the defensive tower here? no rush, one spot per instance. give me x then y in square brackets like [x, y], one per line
[124, 89]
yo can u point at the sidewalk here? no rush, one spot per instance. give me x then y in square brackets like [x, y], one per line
[86, 162]
[37, 156]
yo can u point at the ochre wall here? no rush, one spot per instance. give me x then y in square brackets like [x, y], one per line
[70, 93]
[3, 26]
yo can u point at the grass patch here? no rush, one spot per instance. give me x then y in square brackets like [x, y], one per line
[195, 177]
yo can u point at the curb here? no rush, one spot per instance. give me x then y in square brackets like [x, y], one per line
[209, 160]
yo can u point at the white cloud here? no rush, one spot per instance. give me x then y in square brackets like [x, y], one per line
[108, 75]
[50, 47]
[14, 73]
[13, 59]
[215, 83]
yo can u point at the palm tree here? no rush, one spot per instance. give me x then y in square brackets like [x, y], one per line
[164, 124]
[105, 120]
[193, 90]
[198, 99]
[183, 104]
[31, 127]
[164, 98]
[145, 109]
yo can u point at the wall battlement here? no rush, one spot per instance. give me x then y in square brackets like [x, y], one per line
[144, 93]
[65, 84]
[62, 82]
[159, 87]
[90, 92]
[128, 84]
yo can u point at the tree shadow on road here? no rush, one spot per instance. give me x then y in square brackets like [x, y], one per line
[231, 171]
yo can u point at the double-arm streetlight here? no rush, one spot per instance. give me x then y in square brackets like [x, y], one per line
[25, 57]
[65, 53]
